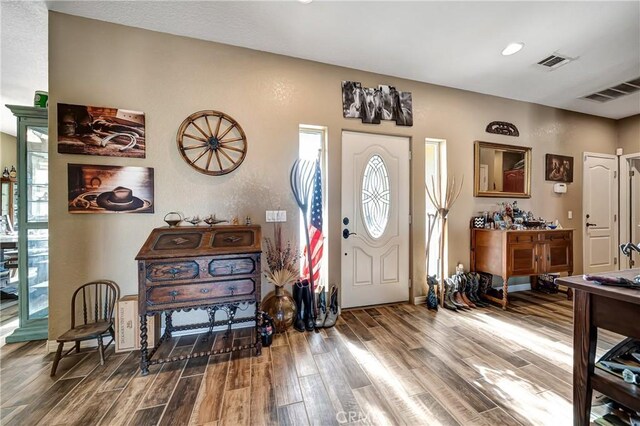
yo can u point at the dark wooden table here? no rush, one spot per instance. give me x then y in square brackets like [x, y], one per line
[613, 308]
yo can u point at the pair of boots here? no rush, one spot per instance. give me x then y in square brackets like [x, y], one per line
[327, 317]
[303, 298]
[452, 299]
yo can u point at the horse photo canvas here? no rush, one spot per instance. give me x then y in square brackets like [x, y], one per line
[371, 111]
[389, 96]
[351, 99]
[91, 130]
[404, 112]
[110, 189]
[559, 168]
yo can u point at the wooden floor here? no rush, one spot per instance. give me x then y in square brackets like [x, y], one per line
[399, 364]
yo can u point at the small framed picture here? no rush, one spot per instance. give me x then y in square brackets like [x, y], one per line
[559, 168]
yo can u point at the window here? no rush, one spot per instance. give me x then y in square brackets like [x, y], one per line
[312, 145]
[375, 196]
[434, 170]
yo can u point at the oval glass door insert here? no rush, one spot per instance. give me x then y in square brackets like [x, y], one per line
[376, 199]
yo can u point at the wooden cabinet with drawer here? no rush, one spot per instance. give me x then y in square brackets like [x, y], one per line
[212, 268]
[521, 253]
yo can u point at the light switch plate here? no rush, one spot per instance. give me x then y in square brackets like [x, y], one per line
[281, 216]
[570, 215]
[271, 216]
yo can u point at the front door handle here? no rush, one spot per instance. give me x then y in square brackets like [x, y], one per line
[346, 233]
[590, 224]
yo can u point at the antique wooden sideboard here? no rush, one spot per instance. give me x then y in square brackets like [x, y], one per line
[212, 268]
[611, 308]
[511, 253]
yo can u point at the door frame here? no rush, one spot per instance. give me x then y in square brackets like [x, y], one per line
[617, 203]
[623, 205]
[411, 203]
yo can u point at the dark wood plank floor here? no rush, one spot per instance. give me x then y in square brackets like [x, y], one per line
[398, 364]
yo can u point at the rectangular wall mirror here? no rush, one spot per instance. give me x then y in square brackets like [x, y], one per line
[502, 170]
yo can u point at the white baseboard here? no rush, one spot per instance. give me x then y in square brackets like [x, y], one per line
[420, 300]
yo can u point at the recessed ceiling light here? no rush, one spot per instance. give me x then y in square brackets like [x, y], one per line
[305, 1]
[512, 48]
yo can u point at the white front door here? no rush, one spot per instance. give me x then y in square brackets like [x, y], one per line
[375, 219]
[599, 208]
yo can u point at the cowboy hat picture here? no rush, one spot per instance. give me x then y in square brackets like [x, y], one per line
[91, 130]
[110, 189]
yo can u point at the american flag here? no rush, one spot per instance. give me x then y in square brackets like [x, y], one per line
[316, 239]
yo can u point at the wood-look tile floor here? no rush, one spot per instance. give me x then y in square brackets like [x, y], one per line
[399, 364]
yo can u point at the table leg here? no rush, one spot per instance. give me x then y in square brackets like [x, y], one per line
[584, 348]
[144, 353]
[168, 323]
[258, 327]
[505, 291]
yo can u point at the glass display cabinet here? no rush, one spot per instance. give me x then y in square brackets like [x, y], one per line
[33, 220]
[9, 200]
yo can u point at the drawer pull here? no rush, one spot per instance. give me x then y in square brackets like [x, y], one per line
[174, 271]
[232, 239]
[231, 289]
[231, 268]
[173, 294]
[204, 290]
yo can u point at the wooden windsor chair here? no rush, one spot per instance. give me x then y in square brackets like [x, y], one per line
[95, 301]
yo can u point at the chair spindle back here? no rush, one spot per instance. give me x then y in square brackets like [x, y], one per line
[98, 300]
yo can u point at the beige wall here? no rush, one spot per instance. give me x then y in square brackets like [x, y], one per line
[8, 151]
[629, 134]
[170, 77]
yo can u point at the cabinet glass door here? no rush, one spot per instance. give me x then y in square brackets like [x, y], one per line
[36, 223]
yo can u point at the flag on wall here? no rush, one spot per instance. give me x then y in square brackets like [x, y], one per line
[316, 239]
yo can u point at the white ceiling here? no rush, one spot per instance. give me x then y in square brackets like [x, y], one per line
[454, 44]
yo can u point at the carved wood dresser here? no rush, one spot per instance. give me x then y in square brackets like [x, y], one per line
[212, 268]
[511, 253]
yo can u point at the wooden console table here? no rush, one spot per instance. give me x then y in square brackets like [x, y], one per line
[509, 253]
[612, 308]
[200, 267]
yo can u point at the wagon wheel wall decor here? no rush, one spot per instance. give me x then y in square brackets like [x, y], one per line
[212, 142]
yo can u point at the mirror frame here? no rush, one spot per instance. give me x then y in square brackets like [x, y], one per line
[501, 194]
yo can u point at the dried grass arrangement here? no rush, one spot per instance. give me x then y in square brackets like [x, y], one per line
[281, 259]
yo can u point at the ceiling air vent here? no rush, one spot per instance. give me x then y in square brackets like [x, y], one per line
[555, 61]
[617, 91]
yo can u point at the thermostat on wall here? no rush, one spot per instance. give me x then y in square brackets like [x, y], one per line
[560, 188]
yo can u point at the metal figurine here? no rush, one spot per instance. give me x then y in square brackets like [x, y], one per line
[301, 180]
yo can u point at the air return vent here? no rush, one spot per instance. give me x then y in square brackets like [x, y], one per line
[555, 61]
[615, 92]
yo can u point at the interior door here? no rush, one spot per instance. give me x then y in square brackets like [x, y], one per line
[630, 207]
[599, 208]
[375, 219]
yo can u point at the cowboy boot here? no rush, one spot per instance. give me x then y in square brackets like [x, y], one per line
[298, 323]
[472, 278]
[322, 308]
[457, 296]
[332, 313]
[446, 300]
[463, 283]
[307, 300]
[452, 290]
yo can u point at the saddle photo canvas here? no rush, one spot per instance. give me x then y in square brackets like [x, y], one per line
[110, 189]
[91, 130]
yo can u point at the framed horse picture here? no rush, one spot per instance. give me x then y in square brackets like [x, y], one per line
[559, 168]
